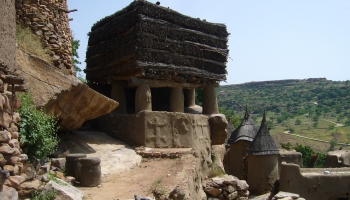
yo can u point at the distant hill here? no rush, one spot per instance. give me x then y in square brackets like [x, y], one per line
[310, 106]
[296, 97]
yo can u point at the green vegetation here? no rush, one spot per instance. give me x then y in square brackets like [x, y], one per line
[75, 61]
[38, 195]
[307, 152]
[38, 130]
[31, 43]
[309, 107]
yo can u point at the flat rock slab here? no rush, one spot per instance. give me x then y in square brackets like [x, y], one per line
[64, 190]
[116, 156]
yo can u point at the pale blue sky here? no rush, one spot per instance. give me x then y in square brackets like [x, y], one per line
[270, 39]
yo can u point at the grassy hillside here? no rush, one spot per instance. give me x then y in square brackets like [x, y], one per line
[316, 108]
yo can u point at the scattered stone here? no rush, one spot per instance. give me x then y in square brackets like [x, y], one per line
[70, 180]
[28, 187]
[23, 157]
[3, 176]
[6, 149]
[14, 143]
[218, 181]
[14, 181]
[9, 168]
[59, 163]
[59, 175]
[28, 171]
[8, 193]
[242, 185]
[4, 138]
[213, 191]
[229, 189]
[2, 160]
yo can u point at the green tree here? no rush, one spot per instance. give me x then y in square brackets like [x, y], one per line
[270, 124]
[75, 61]
[306, 152]
[199, 96]
[297, 122]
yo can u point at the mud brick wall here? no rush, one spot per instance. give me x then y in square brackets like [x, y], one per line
[49, 19]
[7, 33]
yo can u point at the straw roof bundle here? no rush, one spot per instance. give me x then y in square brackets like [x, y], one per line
[246, 131]
[146, 40]
[263, 144]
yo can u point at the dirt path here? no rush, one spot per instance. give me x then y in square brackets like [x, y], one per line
[338, 125]
[124, 172]
[314, 139]
[139, 180]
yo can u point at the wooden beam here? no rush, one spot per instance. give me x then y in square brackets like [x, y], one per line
[133, 81]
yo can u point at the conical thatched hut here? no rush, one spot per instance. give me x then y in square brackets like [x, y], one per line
[240, 139]
[262, 161]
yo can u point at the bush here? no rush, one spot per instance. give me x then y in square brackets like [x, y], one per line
[50, 195]
[38, 130]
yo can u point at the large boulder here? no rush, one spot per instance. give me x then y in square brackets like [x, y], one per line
[59, 93]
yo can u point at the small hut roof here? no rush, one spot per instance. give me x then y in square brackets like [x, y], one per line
[263, 144]
[246, 130]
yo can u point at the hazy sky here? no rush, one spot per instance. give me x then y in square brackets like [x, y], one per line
[269, 39]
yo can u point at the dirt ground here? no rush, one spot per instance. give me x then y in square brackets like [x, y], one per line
[141, 180]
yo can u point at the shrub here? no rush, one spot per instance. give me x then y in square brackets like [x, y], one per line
[38, 130]
[50, 195]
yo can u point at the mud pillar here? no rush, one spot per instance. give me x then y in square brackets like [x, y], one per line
[143, 98]
[210, 104]
[177, 100]
[190, 97]
[118, 94]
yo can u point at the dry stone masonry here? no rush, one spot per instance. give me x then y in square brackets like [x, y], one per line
[49, 20]
[226, 188]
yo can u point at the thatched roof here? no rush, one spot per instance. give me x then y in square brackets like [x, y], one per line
[263, 144]
[150, 41]
[246, 130]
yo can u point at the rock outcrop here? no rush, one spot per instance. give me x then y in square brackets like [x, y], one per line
[59, 93]
[49, 20]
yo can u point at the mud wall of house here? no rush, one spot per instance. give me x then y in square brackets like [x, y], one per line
[49, 20]
[312, 183]
[7, 33]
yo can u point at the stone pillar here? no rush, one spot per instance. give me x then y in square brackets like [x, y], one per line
[210, 104]
[177, 100]
[143, 98]
[190, 97]
[118, 94]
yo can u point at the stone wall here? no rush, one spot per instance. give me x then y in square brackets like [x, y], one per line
[49, 19]
[7, 33]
